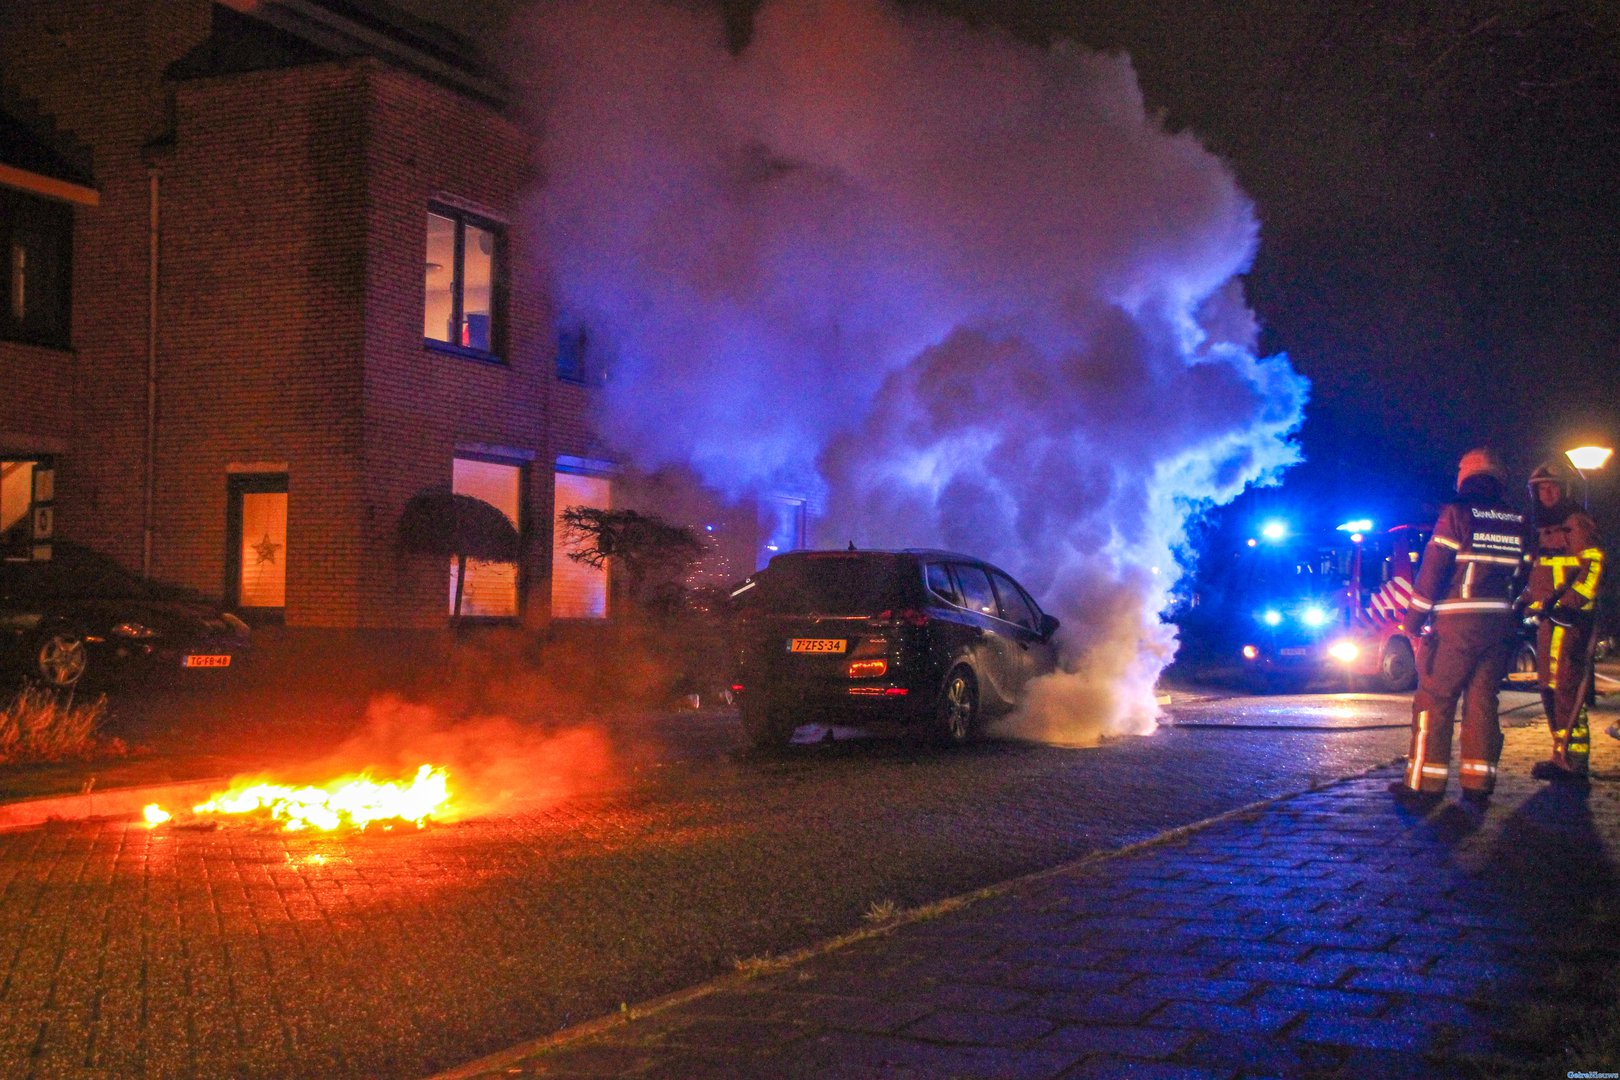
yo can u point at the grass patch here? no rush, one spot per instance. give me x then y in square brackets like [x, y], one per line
[40, 725]
[1572, 1025]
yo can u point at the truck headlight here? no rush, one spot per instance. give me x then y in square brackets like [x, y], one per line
[1344, 652]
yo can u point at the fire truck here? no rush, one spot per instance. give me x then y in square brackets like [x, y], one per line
[1302, 608]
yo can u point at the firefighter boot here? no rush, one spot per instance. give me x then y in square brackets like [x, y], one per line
[1409, 799]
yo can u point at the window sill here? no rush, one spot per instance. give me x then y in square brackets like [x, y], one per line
[448, 349]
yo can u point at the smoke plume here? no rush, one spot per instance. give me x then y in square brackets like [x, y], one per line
[957, 288]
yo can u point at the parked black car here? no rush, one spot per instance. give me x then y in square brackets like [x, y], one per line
[80, 614]
[921, 639]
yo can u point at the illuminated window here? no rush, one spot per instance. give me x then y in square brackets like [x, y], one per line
[16, 508]
[578, 591]
[36, 242]
[490, 588]
[464, 287]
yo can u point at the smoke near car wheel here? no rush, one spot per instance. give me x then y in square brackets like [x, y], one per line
[957, 714]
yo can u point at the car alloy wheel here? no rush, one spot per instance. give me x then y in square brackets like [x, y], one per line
[62, 658]
[958, 707]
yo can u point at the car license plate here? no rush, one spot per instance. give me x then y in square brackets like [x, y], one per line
[207, 661]
[817, 645]
[1294, 652]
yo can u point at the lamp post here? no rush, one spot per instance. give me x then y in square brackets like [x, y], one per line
[1588, 459]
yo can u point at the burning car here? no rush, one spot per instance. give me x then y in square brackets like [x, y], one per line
[80, 615]
[929, 640]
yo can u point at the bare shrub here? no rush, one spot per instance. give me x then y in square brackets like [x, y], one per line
[39, 725]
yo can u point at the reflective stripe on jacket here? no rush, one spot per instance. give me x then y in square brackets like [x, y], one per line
[1569, 563]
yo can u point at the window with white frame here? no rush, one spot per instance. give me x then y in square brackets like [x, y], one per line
[489, 589]
[578, 590]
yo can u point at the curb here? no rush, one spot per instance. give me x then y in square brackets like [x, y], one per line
[506, 1061]
[113, 803]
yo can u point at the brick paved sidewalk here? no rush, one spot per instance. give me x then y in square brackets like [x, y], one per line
[1327, 934]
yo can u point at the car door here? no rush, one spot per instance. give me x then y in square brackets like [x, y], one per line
[1030, 654]
[996, 654]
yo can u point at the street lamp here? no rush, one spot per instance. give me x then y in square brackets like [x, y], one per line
[1588, 459]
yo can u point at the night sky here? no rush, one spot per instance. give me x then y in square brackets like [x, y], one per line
[1438, 188]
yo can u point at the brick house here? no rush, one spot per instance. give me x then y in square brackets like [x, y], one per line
[265, 285]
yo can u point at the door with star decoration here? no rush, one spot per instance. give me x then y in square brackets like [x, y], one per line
[256, 545]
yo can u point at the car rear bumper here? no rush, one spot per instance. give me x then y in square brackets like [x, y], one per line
[865, 701]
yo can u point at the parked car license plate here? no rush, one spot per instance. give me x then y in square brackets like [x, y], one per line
[817, 645]
[1295, 652]
[207, 661]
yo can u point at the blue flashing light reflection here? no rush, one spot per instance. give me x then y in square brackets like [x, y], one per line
[1272, 617]
[1274, 530]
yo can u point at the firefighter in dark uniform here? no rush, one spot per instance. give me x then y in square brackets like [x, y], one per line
[1563, 594]
[1470, 576]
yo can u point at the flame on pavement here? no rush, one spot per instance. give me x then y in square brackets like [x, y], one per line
[351, 802]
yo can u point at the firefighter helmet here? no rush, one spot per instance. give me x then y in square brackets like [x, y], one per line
[1553, 472]
[1480, 460]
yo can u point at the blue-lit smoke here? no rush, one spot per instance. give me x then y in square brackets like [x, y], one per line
[959, 289]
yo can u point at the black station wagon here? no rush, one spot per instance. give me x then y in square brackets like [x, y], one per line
[927, 640]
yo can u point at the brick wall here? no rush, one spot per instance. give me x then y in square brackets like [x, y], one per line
[293, 212]
[36, 406]
[95, 67]
[261, 323]
[427, 144]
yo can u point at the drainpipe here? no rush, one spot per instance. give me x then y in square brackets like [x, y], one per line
[148, 511]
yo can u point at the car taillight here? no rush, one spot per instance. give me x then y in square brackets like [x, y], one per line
[868, 669]
[901, 617]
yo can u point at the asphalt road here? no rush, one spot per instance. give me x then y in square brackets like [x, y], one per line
[243, 952]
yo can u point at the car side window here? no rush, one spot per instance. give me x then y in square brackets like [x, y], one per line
[1015, 607]
[976, 592]
[940, 584]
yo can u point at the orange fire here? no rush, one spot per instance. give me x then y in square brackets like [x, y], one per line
[352, 802]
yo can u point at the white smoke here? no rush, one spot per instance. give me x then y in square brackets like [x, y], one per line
[962, 289]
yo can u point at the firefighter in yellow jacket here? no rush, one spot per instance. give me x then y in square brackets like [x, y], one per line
[1465, 590]
[1563, 593]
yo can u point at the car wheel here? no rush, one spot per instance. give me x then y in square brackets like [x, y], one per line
[1524, 666]
[766, 729]
[1397, 668]
[60, 658]
[957, 714]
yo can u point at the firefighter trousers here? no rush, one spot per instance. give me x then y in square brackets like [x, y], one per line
[1466, 656]
[1563, 660]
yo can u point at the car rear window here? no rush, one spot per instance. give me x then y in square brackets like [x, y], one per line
[834, 583]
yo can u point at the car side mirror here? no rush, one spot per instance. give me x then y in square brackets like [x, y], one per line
[1049, 626]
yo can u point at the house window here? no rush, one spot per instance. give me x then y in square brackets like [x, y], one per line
[36, 245]
[489, 588]
[464, 290]
[571, 352]
[578, 590]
